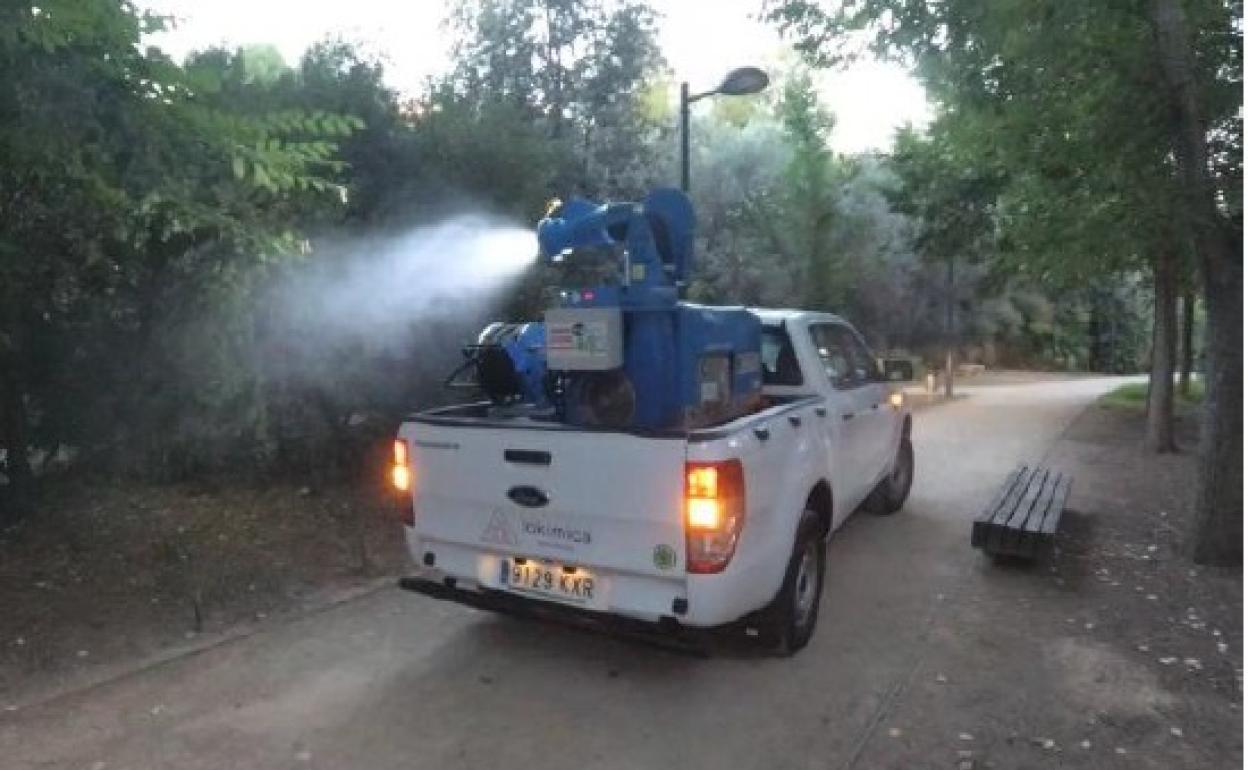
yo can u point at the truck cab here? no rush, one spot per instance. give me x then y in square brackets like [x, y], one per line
[821, 353]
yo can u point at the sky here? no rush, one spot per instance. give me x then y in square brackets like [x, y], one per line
[701, 40]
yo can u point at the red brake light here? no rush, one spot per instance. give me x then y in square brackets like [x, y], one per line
[714, 514]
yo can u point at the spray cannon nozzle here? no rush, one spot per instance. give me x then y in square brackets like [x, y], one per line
[580, 224]
[657, 231]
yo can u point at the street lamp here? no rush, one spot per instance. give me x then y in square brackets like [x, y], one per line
[739, 82]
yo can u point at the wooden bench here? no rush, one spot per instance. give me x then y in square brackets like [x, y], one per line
[1023, 516]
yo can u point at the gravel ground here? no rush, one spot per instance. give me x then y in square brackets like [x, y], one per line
[106, 575]
[928, 655]
[1114, 651]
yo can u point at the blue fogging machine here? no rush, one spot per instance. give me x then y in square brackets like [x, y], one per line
[628, 354]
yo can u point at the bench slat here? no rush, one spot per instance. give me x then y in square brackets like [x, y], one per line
[997, 528]
[1035, 522]
[1011, 540]
[983, 523]
[1007, 540]
[1028, 541]
[1049, 526]
[990, 510]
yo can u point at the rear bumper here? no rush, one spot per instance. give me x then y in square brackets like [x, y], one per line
[642, 597]
[666, 630]
[685, 601]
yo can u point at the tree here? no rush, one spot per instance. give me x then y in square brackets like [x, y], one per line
[1218, 531]
[782, 216]
[578, 71]
[954, 206]
[740, 166]
[127, 192]
[1105, 117]
[809, 208]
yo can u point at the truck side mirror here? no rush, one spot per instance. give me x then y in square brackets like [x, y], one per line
[898, 370]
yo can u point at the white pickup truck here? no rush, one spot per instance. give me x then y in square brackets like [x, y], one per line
[721, 526]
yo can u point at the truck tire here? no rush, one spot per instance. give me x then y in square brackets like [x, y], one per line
[891, 493]
[793, 614]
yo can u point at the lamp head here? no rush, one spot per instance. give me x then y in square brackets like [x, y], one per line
[743, 81]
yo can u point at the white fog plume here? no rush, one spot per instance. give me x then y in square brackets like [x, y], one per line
[379, 291]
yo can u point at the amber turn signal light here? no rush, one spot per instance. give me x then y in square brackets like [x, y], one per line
[400, 471]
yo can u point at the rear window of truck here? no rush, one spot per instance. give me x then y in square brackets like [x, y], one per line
[779, 359]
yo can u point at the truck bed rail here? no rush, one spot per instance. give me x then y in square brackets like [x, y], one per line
[478, 415]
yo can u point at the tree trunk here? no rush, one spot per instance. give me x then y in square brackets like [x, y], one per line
[1217, 536]
[949, 372]
[1096, 357]
[1218, 522]
[1160, 428]
[1186, 339]
[14, 442]
[949, 329]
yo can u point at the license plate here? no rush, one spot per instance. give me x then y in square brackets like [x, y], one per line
[548, 580]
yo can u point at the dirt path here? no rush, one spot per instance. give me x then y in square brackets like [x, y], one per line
[1113, 653]
[924, 651]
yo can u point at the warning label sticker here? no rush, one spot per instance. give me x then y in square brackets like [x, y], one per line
[582, 337]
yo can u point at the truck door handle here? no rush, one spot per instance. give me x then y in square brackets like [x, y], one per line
[847, 416]
[794, 420]
[763, 433]
[526, 456]
[822, 411]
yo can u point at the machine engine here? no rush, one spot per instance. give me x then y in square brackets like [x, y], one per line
[507, 363]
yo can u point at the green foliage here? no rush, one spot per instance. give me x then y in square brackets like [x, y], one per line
[1051, 159]
[785, 221]
[1134, 396]
[151, 210]
[578, 72]
[808, 211]
[1062, 105]
[135, 194]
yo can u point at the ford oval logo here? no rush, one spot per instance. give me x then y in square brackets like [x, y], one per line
[529, 497]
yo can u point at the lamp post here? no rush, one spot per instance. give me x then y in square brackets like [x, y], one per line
[739, 82]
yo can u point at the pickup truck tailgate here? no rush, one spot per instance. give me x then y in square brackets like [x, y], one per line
[600, 500]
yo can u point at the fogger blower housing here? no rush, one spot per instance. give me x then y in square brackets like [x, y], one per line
[629, 354]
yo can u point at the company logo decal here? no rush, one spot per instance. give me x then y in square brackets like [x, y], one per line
[499, 531]
[544, 531]
[664, 556]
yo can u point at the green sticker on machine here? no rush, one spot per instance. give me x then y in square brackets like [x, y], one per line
[664, 556]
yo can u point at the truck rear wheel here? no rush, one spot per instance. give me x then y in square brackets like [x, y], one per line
[891, 493]
[792, 617]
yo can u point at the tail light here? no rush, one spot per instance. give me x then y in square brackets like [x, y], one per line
[401, 480]
[714, 514]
